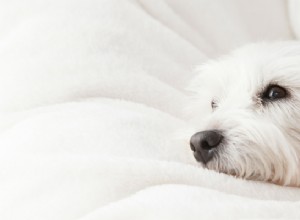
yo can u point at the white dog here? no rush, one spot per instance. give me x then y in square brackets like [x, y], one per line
[247, 112]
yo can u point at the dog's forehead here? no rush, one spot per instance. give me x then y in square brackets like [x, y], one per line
[253, 67]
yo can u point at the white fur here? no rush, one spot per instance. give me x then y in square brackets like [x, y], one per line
[262, 142]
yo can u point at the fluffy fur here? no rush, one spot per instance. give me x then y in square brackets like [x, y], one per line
[262, 140]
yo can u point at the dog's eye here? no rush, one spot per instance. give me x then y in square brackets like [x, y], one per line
[213, 104]
[274, 92]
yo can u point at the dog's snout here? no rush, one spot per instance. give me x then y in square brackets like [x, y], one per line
[203, 144]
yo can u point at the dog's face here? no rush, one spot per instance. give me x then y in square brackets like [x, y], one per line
[246, 110]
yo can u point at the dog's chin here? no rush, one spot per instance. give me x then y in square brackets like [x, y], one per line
[254, 176]
[223, 168]
[217, 167]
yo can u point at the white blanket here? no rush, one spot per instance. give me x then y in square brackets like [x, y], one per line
[91, 108]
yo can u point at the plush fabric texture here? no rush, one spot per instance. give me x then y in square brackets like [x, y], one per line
[92, 97]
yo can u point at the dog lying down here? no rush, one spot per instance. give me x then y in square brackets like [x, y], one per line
[246, 107]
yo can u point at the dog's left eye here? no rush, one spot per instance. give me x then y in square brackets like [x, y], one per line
[213, 104]
[274, 92]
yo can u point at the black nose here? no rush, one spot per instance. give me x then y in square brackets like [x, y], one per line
[204, 144]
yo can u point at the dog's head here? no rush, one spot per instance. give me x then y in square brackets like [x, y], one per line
[246, 109]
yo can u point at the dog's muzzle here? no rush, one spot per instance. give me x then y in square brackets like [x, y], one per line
[204, 144]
